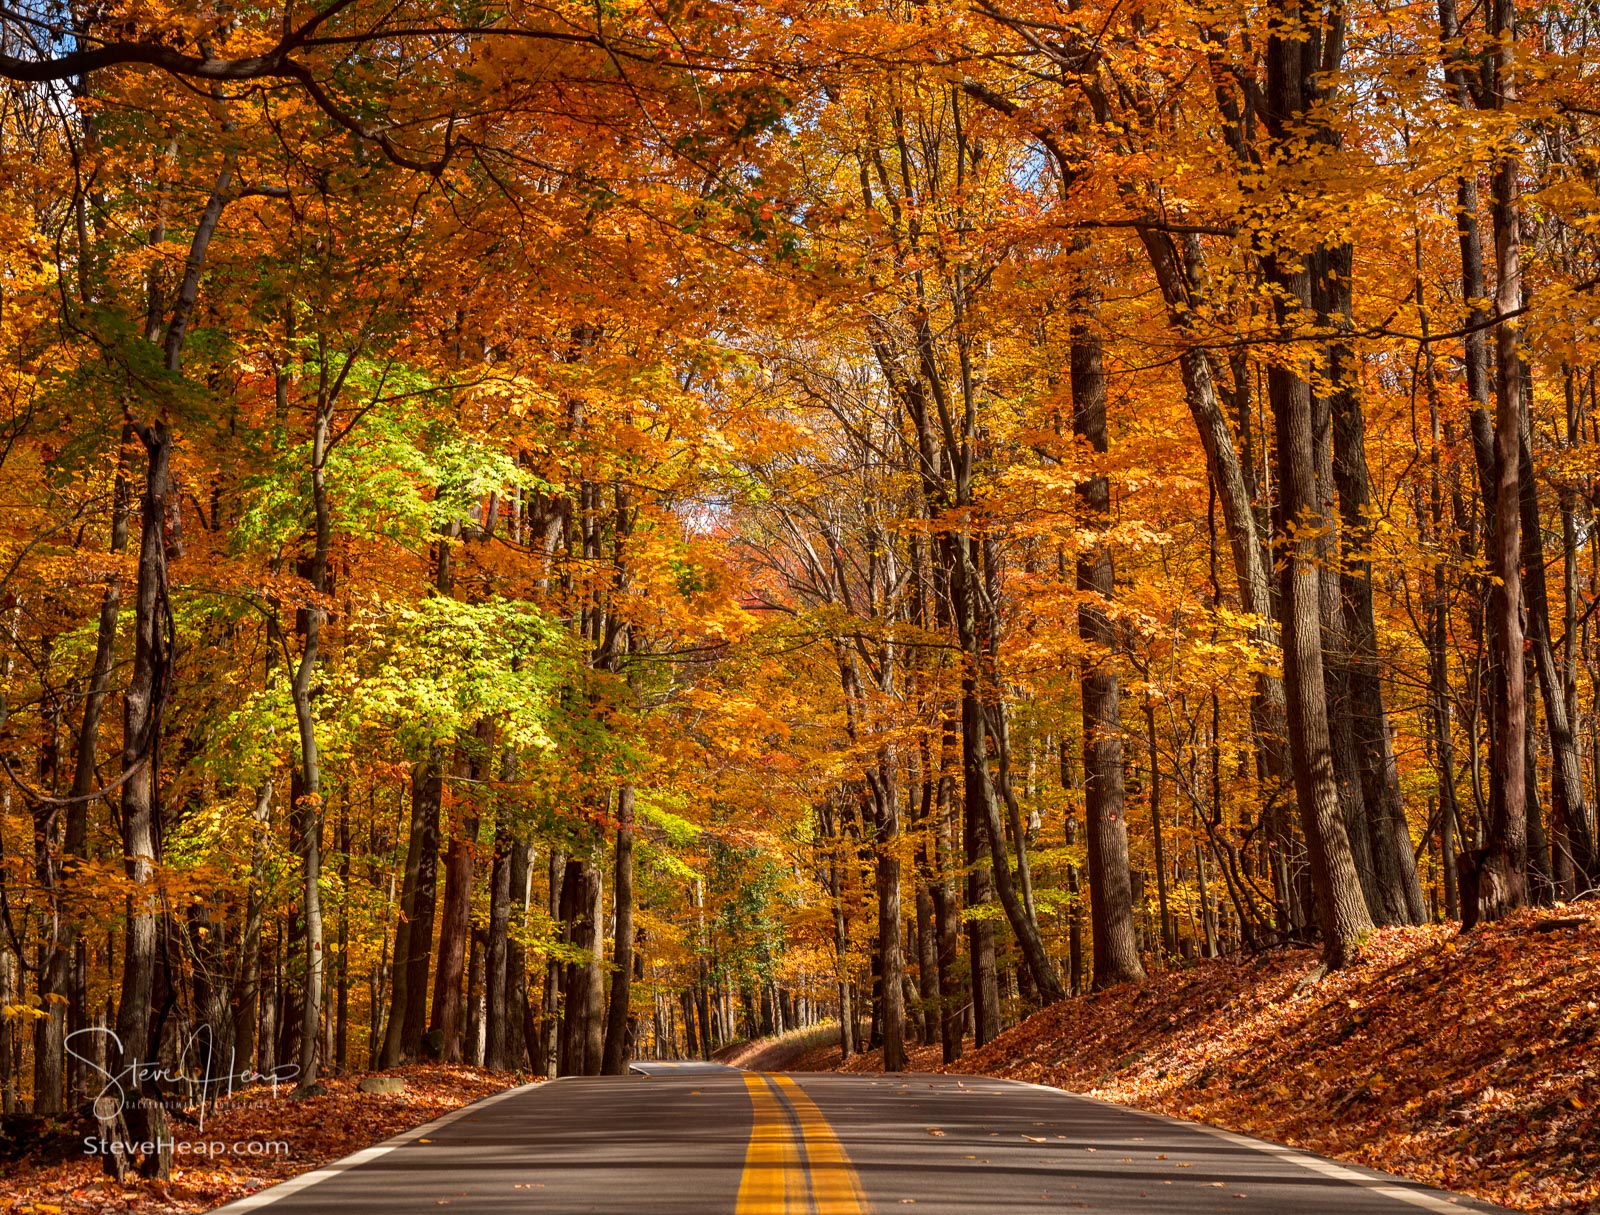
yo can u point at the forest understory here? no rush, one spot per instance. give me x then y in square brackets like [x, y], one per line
[1460, 1060]
[1466, 1061]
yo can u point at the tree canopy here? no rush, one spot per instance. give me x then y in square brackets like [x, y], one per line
[544, 533]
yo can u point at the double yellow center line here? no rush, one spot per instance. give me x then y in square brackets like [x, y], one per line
[795, 1164]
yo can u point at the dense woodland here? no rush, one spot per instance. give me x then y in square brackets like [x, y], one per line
[542, 533]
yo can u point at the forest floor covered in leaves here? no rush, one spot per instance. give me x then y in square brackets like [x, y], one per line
[1469, 1061]
[60, 1176]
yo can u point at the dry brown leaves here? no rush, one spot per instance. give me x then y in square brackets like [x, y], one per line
[1469, 1061]
[316, 1131]
[1463, 1060]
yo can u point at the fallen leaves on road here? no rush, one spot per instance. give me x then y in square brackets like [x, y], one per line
[316, 1130]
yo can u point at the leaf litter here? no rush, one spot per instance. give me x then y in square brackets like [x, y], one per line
[316, 1130]
[1467, 1061]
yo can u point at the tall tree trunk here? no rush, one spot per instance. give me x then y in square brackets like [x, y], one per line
[1116, 945]
[582, 1040]
[448, 1021]
[691, 1041]
[497, 997]
[519, 1047]
[841, 932]
[1341, 908]
[549, 1036]
[985, 986]
[311, 809]
[891, 950]
[8, 994]
[413, 944]
[57, 977]
[927, 1016]
[1292, 65]
[570, 1061]
[1397, 887]
[1336, 664]
[144, 705]
[1494, 878]
[1569, 808]
[267, 1038]
[1439, 692]
[1069, 833]
[615, 1062]
[976, 726]
[250, 947]
[55, 949]
[1438, 611]
[341, 1037]
[475, 1043]
[595, 990]
[1169, 940]
[946, 914]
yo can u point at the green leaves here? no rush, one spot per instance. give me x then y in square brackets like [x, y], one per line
[431, 670]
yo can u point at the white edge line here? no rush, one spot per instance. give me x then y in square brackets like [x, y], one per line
[286, 1189]
[1315, 1164]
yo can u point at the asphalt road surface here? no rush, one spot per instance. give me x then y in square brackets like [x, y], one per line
[695, 1139]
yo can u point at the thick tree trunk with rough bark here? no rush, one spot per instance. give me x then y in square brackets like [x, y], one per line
[984, 979]
[1395, 896]
[448, 1021]
[595, 1012]
[1341, 908]
[1293, 62]
[1494, 878]
[1116, 944]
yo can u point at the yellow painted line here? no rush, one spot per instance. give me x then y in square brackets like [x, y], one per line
[773, 1182]
[835, 1187]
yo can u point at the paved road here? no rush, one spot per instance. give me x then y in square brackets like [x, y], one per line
[698, 1139]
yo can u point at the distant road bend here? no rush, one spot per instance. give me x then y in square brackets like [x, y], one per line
[697, 1139]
